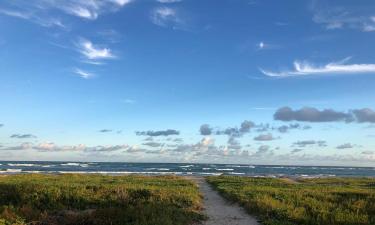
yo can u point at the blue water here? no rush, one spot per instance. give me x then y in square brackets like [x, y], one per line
[9, 167]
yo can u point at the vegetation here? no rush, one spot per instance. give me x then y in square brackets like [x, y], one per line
[331, 201]
[98, 200]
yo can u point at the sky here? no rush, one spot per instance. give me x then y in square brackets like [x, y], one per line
[208, 81]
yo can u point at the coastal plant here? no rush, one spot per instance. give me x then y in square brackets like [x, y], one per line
[98, 200]
[320, 201]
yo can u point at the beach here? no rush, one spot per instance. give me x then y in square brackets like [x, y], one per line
[90, 199]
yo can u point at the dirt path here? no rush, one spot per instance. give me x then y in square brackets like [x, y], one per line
[220, 211]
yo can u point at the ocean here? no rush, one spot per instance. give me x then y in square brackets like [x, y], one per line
[119, 168]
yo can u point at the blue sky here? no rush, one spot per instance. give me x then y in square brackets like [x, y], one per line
[245, 81]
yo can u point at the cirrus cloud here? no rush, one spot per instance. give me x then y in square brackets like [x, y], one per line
[303, 68]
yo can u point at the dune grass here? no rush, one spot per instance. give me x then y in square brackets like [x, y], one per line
[98, 200]
[321, 201]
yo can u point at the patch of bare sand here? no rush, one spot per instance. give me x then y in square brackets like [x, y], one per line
[220, 211]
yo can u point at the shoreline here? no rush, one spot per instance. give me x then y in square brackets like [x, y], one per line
[190, 163]
[179, 174]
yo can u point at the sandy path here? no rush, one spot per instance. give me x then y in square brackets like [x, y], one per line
[220, 211]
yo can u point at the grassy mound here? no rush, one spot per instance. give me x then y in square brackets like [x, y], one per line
[334, 201]
[98, 200]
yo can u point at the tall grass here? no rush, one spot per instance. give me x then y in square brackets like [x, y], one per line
[334, 201]
[98, 200]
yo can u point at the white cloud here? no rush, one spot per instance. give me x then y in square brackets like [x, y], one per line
[15, 13]
[93, 52]
[82, 12]
[45, 22]
[83, 74]
[121, 2]
[339, 18]
[262, 46]
[369, 28]
[168, 1]
[39, 11]
[166, 16]
[306, 68]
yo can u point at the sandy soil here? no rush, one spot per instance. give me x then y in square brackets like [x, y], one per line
[220, 211]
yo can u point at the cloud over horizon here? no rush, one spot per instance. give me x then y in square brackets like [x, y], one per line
[23, 136]
[158, 133]
[310, 114]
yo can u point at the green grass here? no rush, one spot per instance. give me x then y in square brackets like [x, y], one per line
[331, 201]
[98, 200]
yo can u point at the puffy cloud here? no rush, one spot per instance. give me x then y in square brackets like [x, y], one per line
[263, 150]
[233, 143]
[345, 146]
[158, 133]
[106, 148]
[207, 141]
[153, 144]
[22, 136]
[23, 146]
[246, 126]
[177, 140]
[306, 143]
[368, 153]
[310, 114]
[264, 137]
[135, 149]
[105, 131]
[230, 131]
[52, 147]
[296, 150]
[205, 129]
[364, 115]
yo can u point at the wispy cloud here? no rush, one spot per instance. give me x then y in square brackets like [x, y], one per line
[168, 1]
[166, 16]
[340, 18]
[83, 74]
[17, 14]
[35, 18]
[94, 52]
[306, 68]
[38, 11]
[264, 46]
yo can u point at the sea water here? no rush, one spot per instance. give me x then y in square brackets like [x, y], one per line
[118, 168]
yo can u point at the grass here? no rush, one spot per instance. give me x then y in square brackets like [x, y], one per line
[98, 200]
[331, 201]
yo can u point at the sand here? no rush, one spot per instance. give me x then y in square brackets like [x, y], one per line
[220, 211]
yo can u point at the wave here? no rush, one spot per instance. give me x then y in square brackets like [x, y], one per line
[22, 164]
[186, 166]
[240, 166]
[11, 171]
[224, 169]
[75, 164]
